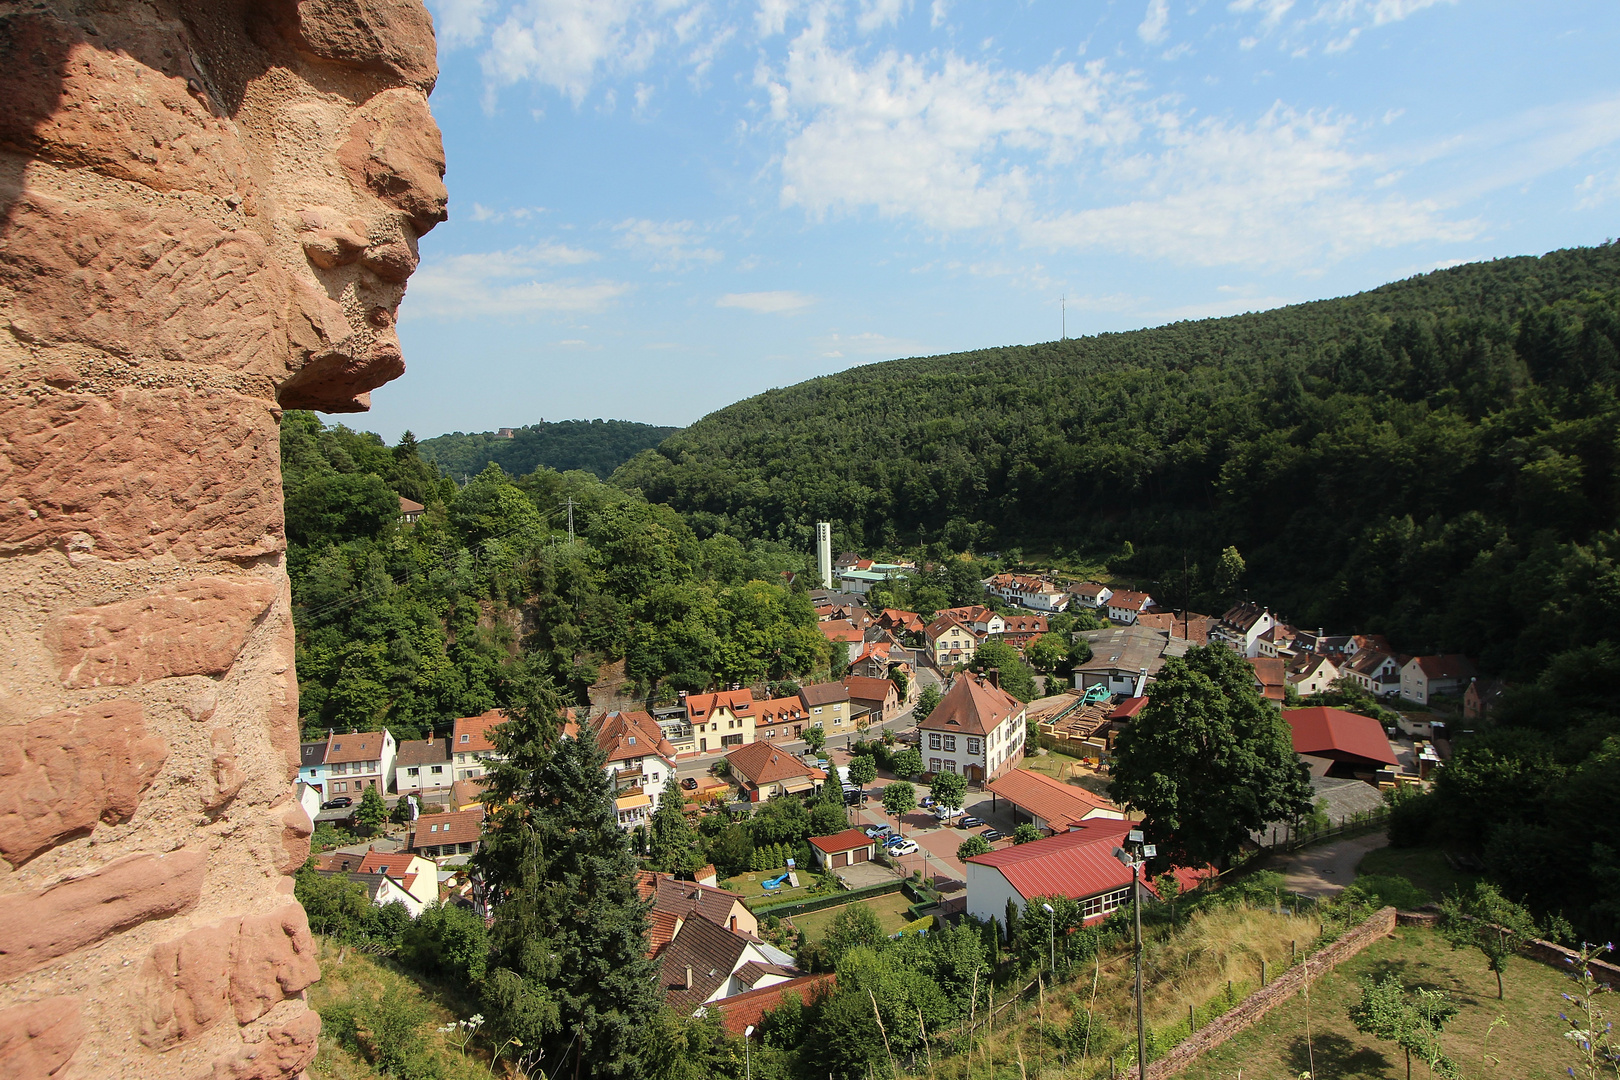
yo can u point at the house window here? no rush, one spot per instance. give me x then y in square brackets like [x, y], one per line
[413, 772]
[816, 723]
[466, 738]
[950, 764]
[950, 742]
[437, 769]
[973, 746]
[933, 764]
[933, 740]
[340, 786]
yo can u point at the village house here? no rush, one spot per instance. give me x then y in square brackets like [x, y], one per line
[874, 660]
[640, 764]
[1312, 673]
[977, 729]
[879, 699]
[1482, 697]
[1078, 864]
[1241, 628]
[950, 642]
[902, 622]
[410, 511]
[976, 617]
[845, 634]
[422, 768]
[417, 876]
[1089, 594]
[1270, 678]
[674, 901]
[1125, 605]
[1337, 743]
[1019, 630]
[381, 888]
[351, 763]
[723, 720]
[1047, 803]
[1423, 677]
[1124, 659]
[1374, 670]
[472, 745]
[763, 771]
[438, 836]
[829, 707]
[782, 718]
[1186, 625]
[1027, 591]
[704, 963]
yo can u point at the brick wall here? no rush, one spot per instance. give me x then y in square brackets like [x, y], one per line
[1262, 1001]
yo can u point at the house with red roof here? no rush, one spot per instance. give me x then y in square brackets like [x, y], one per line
[950, 641]
[1339, 743]
[1078, 864]
[1019, 630]
[1089, 594]
[1312, 673]
[781, 718]
[880, 698]
[437, 836]
[349, 763]
[416, 875]
[1270, 678]
[901, 622]
[1422, 677]
[1242, 626]
[843, 849]
[764, 770]
[977, 729]
[743, 1011]
[842, 632]
[1125, 605]
[472, 745]
[1050, 804]
[722, 720]
[640, 763]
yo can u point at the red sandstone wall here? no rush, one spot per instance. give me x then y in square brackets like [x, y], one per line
[208, 209]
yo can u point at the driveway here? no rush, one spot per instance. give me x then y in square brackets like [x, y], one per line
[1324, 870]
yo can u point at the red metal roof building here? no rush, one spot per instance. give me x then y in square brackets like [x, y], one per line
[1051, 804]
[1078, 864]
[1343, 743]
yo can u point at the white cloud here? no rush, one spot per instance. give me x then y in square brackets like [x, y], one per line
[876, 14]
[498, 283]
[568, 44]
[1155, 25]
[938, 12]
[1288, 190]
[459, 22]
[1343, 20]
[1271, 11]
[767, 303]
[912, 138]
[869, 344]
[1597, 189]
[668, 245]
[772, 16]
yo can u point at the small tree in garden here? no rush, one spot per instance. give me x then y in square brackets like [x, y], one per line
[862, 770]
[372, 811]
[907, 762]
[898, 798]
[1488, 921]
[815, 738]
[927, 701]
[1413, 1022]
[948, 789]
[973, 845]
[1026, 833]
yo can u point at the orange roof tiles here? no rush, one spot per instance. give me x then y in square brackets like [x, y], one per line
[698, 706]
[848, 840]
[1337, 734]
[972, 706]
[1059, 804]
[627, 735]
[355, 746]
[761, 763]
[472, 732]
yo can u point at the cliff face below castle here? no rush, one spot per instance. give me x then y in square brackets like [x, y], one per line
[208, 211]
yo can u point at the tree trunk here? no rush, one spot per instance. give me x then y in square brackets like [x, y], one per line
[1498, 984]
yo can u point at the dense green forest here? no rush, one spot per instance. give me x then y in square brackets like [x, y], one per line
[596, 446]
[410, 626]
[1433, 459]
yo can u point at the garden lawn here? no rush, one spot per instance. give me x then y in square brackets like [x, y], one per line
[1425, 867]
[1528, 1045]
[890, 909]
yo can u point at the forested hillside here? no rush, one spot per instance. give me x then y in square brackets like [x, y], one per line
[1434, 459]
[596, 446]
[484, 601]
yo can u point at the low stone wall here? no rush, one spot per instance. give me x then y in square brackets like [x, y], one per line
[1262, 1001]
[1564, 960]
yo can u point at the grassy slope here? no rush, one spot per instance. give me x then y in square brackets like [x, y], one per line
[1530, 1047]
[890, 910]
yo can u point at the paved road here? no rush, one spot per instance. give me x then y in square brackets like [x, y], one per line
[1325, 869]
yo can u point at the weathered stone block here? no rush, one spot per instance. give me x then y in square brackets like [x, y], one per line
[38, 1039]
[62, 774]
[193, 629]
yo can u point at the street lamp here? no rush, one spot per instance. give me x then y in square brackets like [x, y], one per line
[1144, 851]
[748, 1057]
[1051, 937]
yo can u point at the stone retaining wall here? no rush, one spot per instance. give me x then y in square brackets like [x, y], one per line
[1262, 1001]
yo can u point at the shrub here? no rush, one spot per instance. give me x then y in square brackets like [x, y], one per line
[1411, 819]
[1388, 890]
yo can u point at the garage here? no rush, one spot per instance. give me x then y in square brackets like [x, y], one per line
[843, 849]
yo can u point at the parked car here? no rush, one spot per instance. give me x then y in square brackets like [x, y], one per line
[992, 834]
[904, 847]
[927, 802]
[969, 822]
[338, 803]
[854, 797]
[945, 813]
[690, 783]
[875, 831]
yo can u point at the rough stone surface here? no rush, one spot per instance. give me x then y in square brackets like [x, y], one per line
[193, 629]
[38, 1039]
[63, 774]
[240, 969]
[208, 213]
[36, 928]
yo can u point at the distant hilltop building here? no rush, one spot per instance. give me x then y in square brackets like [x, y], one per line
[506, 433]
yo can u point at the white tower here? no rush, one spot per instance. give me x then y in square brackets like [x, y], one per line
[824, 552]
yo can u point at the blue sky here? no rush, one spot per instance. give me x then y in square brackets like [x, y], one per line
[659, 207]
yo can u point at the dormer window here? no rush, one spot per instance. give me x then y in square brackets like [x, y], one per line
[466, 738]
[632, 740]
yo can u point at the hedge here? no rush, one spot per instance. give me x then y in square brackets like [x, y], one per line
[804, 907]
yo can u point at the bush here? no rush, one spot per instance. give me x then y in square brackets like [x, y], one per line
[1412, 819]
[446, 940]
[1388, 890]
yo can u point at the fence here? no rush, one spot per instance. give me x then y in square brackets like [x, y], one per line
[1292, 839]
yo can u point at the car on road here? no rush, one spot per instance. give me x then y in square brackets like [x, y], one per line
[927, 802]
[969, 822]
[945, 813]
[338, 803]
[904, 847]
[875, 831]
[992, 834]
[854, 797]
[690, 783]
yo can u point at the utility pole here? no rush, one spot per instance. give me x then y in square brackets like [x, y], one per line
[1135, 861]
[570, 520]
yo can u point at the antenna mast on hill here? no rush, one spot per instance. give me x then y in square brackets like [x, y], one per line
[1063, 306]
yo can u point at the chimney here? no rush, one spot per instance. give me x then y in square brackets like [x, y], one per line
[734, 924]
[993, 676]
[430, 737]
[689, 976]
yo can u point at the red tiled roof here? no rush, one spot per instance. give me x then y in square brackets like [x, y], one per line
[1025, 624]
[627, 735]
[1060, 804]
[394, 865]
[476, 729]
[848, 840]
[1074, 864]
[457, 827]
[743, 1011]
[1128, 708]
[776, 710]
[699, 706]
[943, 624]
[410, 506]
[1448, 666]
[866, 688]
[1131, 601]
[761, 763]
[1272, 674]
[827, 693]
[354, 746]
[1335, 733]
[972, 706]
[840, 630]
